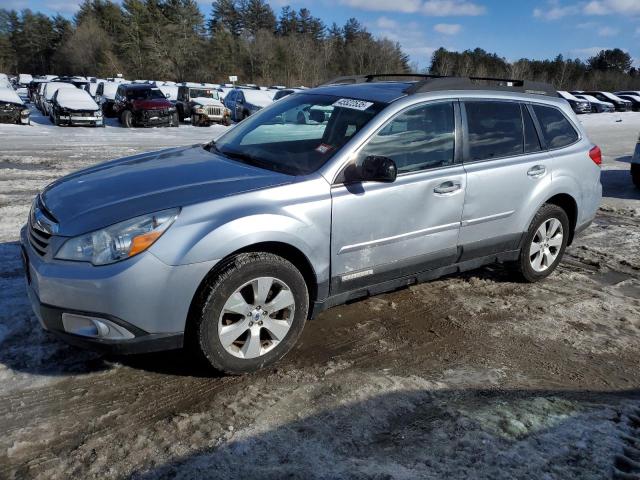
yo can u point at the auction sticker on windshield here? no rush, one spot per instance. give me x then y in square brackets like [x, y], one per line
[353, 104]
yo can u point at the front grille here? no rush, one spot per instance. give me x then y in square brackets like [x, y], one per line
[214, 111]
[38, 239]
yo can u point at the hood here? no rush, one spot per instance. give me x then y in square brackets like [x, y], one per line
[153, 104]
[9, 95]
[121, 189]
[206, 101]
[76, 100]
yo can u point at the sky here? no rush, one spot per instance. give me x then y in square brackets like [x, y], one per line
[511, 28]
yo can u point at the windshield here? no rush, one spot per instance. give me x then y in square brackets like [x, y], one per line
[145, 94]
[298, 134]
[203, 93]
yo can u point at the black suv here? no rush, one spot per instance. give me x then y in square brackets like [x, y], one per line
[144, 105]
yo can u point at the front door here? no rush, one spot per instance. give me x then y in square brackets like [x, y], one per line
[382, 231]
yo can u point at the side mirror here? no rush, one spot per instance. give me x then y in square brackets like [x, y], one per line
[375, 168]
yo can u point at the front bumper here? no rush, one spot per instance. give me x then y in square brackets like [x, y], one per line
[154, 119]
[81, 120]
[143, 295]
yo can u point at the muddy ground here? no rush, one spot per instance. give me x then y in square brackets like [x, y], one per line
[470, 376]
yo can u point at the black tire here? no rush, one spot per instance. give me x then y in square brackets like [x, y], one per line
[175, 119]
[226, 121]
[55, 120]
[203, 331]
[635, 174]
[524, 265]
[126, 119]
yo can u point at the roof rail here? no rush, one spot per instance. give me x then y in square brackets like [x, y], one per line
[431, 83]
[351, 79]
[481, 83]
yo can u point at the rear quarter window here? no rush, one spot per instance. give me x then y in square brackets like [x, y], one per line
[556, 128]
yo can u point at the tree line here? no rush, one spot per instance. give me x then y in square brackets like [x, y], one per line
[174, 40]
[608, 70]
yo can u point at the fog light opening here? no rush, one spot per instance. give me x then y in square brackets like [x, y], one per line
[92, 327]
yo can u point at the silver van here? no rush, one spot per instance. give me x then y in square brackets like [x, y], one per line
[230, 247]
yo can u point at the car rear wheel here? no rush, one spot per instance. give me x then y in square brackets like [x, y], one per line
[126, 119]
[635, 174]
[251, 314]
[544, 243]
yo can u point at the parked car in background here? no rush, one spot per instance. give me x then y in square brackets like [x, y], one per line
[243, 102]
[635, 165]
[628, 92]
[49, 91]
[634, 99]
[106, 97]
[577, 104]
[12, 108]
[170, 91]
[92, 87]
[38, 99]
[76, 81]
[597, 106]
[619, 104]
[24, 79]
[202, 104]
[144, 105]
[75, 107]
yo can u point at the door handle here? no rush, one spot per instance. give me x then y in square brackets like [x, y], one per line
[537, 171]
[447, 187]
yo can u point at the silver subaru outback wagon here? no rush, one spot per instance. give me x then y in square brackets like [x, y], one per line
[354, 188]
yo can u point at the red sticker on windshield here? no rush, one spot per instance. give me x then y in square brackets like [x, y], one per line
[323, 148]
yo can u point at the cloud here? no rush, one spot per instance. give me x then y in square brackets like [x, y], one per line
[386, 23]
[450, 8]
[555, 10]
[609, 7]
[405, 6]
[448, 28]
[430, 8]
[608, 31]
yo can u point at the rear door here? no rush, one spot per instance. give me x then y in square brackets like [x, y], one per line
[382, 231]
[506, 167]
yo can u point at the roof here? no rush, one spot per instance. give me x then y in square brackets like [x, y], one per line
[390, 87]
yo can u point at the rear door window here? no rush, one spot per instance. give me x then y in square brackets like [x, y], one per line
[556, 129]
[495, 129]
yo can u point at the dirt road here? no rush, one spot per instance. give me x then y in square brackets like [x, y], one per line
[470, 376]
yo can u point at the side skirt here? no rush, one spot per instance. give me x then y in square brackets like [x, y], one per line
[404, 281]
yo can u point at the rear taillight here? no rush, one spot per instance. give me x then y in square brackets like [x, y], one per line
[596, 155]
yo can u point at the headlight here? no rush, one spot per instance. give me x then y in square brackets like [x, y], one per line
[172, 109]
[198, 110]
[119, 241]
[98, 113]
[25, 112]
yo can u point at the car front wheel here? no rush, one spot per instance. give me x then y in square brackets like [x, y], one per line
[544, 243]
[251, 314]
[126, 119]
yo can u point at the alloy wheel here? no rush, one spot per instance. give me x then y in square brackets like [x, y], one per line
[256, 317]
[546, 244]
